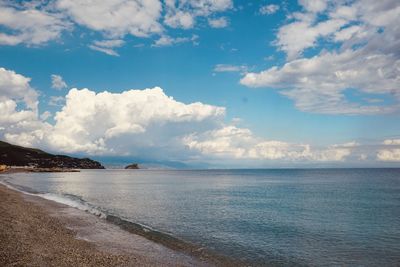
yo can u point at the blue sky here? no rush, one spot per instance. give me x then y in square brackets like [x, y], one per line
[306, 82]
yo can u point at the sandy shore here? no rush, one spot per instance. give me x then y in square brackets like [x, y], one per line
[38, 232]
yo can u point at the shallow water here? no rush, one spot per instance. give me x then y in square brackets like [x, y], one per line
[264, 217]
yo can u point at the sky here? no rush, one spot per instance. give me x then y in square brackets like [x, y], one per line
[216, 83]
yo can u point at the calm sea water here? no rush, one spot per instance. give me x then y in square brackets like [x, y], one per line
[342, 217]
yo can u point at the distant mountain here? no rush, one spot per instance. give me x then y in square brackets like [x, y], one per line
[13, 155]
[120, 162]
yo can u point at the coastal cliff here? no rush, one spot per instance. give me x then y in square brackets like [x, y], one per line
[13, 155]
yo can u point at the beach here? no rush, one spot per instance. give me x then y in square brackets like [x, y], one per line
[39, 232]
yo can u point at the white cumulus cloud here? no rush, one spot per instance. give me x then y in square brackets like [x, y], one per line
[29, 25]
[390, 152]
[115, 18]
[391, 142]
[240, 143]
[125, 122]
[15, 87]
[19, 122]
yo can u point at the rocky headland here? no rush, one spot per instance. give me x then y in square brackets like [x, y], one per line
[38, 160]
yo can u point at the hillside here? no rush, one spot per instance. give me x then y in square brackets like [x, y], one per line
[13, 155]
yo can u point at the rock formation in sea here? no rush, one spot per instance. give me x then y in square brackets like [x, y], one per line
[133, 166]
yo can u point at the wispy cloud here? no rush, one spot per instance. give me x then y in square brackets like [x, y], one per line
[230, 68]
[183, 14]
[269, 9]
[56, 101]
[218, 23]
[107, 46]
[57, 82]
[169, 41]
[45, 115]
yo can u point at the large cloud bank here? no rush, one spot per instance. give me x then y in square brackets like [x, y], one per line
[148, 123]
[365, 36]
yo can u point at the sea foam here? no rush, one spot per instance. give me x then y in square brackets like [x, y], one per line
[75, 202]
[66, 199]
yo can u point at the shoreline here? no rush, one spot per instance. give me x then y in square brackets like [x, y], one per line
[38, 232]
[11, 170]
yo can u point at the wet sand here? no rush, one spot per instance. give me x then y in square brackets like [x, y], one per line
[38, 232]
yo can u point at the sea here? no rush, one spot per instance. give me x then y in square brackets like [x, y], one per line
[282, 217]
